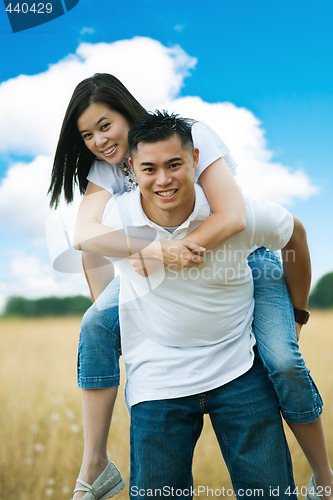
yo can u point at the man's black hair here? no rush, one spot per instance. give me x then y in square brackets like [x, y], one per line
[159, 126]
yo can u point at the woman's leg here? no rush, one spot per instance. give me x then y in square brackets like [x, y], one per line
[98, 376]
[311, 438]
[274, 329]
[97, 405]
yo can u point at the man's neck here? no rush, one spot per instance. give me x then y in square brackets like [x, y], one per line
[164, 218]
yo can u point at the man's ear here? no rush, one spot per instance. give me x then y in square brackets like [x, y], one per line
[131, 164]
[195, 158]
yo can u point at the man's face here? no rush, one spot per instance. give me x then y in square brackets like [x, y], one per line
[165, 172]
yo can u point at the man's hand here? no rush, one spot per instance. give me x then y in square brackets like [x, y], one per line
[298, 331]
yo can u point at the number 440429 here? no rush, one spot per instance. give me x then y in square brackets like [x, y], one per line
[35, 8]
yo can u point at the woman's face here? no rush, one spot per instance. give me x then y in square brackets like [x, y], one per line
[104, 132]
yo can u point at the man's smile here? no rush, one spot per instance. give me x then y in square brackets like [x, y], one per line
[169, 194]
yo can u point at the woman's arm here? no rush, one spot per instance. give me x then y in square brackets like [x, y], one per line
[227, 205]
[94, 237]
[98, 272]
[228, 218]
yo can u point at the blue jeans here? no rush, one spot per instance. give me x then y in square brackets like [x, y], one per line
[274, 330]
[246, 419]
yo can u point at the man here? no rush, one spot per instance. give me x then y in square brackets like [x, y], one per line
[186, 335]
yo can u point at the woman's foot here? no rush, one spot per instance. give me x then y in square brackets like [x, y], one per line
[89, 474]
[322, 486]
[103, 477]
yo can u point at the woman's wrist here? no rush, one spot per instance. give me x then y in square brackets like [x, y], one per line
[155, 250]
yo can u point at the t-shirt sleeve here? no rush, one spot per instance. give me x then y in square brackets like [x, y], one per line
[106, 176]
[271, 224]
[211, 148]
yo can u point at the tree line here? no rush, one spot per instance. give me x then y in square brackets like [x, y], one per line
[46, 306]
[322, 295]
[321, 298]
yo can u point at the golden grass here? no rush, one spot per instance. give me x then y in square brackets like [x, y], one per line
[40, 418]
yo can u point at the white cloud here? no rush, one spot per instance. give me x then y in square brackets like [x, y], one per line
[32, 109]
[88, 31]
[23, 202]
[258, 173]
[155, 75]
[30, 276]
[23, 212]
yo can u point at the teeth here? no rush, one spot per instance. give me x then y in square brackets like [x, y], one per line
[167, 193]
[108, 151]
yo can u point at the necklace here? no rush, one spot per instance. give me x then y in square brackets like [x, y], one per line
[129, 174]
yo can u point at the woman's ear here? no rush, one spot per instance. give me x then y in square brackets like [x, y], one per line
[195, 158]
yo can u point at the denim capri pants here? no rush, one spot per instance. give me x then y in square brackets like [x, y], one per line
[98, 356]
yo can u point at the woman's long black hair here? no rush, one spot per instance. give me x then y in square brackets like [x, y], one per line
[73, 159]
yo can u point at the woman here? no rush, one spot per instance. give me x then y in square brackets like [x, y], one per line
[93, 151]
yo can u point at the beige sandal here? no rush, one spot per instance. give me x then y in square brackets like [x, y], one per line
[108, 484]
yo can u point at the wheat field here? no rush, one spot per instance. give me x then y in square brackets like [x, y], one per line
[40, 418]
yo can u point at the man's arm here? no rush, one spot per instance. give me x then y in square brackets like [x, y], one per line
[297, 268]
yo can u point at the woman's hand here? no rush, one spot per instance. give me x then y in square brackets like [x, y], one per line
[144, 266]
[182, 253]
[177, 254]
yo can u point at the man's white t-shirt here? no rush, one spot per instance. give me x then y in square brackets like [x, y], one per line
[188, 331]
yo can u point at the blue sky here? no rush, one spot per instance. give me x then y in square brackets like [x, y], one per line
[272, 60]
